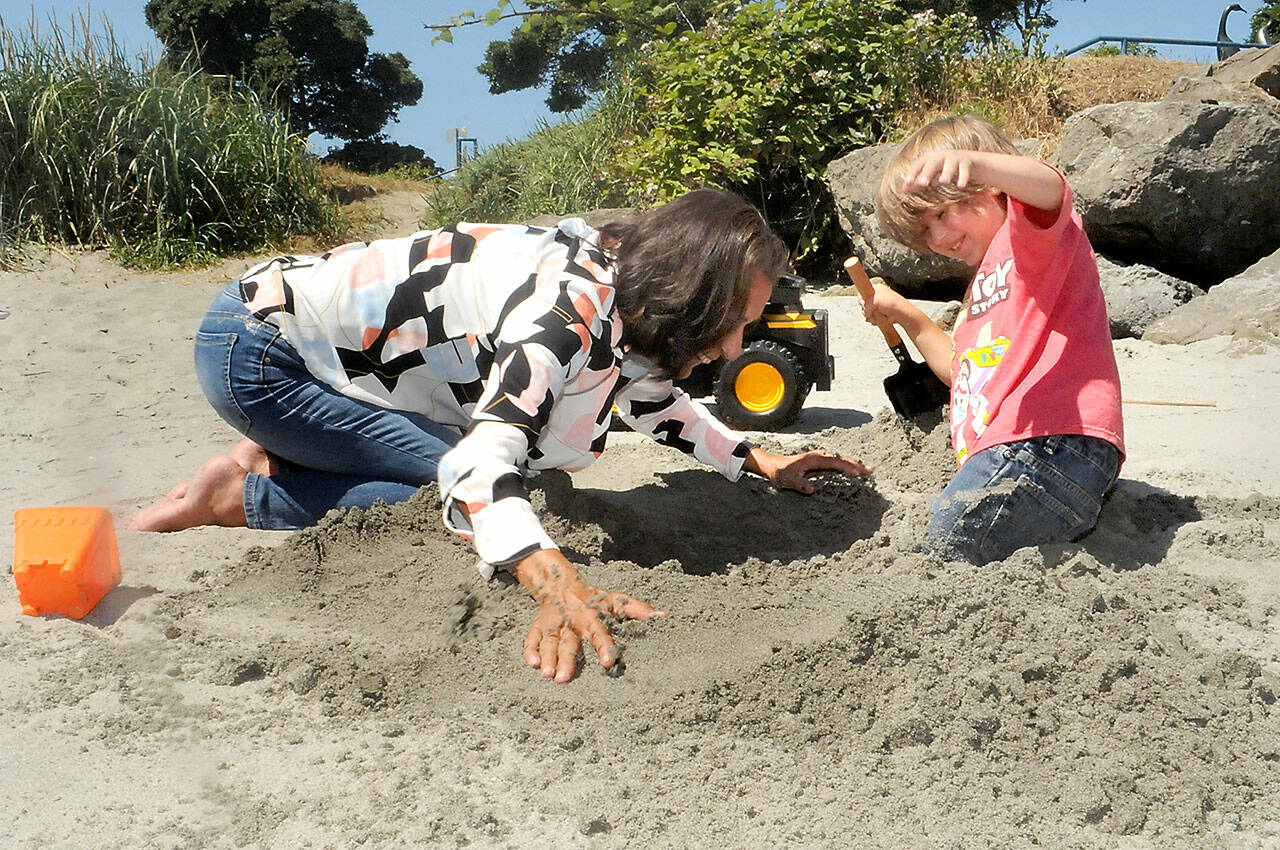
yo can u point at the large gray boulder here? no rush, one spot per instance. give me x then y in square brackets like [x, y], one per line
[1192, 189]
[1259, 68]
[1251, 76]
[1246, 307]
[1192, 89]
[855, 181]
[1138, 295]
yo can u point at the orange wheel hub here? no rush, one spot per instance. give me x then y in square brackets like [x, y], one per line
[759, 387]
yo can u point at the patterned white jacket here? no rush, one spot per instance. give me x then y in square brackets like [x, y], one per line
[508, 332]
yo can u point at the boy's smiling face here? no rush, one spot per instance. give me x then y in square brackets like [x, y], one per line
[964, 229]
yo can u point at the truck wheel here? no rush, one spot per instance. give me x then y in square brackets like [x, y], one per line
[762, 389]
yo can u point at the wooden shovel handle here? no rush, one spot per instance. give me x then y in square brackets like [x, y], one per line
[862, 283]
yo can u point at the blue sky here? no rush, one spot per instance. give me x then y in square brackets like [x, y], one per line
[456, 95]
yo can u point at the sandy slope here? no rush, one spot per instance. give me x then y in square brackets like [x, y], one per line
[818, 685]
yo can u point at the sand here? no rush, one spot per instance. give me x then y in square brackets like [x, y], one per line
[818, 684]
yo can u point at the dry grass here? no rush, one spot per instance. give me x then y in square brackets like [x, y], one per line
[349, 186]
[1087, 81]
[1092, 80]
[1049, 94]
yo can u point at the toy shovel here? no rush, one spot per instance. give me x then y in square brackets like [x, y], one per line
[914, 389]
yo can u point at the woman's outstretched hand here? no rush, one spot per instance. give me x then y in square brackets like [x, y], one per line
[792, 471]
[569, 611]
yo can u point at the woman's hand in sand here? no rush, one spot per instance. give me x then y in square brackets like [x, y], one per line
[570, 610]
[792, 471]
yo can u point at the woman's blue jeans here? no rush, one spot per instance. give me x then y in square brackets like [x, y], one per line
[332, 451]
[1042, 490]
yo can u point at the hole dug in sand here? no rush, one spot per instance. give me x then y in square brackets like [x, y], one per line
[818, 677]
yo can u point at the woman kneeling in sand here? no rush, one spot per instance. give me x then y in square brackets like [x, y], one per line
[477, 355]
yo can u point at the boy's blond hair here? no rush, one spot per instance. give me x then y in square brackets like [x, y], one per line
[900, 210]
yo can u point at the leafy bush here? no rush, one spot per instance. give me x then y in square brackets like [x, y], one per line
[564, 167]
[760, 101]
[767, 94]
[373, 156]
[1106, 48]
[167, 169]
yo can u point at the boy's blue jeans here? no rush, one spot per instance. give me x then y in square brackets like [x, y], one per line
[332, 451]
[1042, 490]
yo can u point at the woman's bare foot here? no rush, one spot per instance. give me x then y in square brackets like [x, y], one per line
[253, 458]
[214, 497]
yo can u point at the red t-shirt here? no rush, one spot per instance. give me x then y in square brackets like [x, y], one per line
[1032, 354]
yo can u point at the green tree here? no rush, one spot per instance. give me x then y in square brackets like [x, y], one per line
[573, 46]
[1107, 49]
[379, 155]
[766, 95]
[308, 57]
[994, 17]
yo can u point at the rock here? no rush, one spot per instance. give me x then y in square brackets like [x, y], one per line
[1250, 75]
[855, 181]
[1192, 189]
[1138, 295]
[1212, 91]
[1259, 68]
[1246, 306]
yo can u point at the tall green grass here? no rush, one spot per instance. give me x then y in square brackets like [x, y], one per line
[165, 168]
[567, 167]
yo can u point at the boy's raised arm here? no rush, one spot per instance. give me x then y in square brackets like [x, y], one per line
[1029, 180]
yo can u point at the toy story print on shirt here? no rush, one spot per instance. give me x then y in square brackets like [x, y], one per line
[990, 289]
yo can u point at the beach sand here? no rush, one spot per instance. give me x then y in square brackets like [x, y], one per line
[818, 684]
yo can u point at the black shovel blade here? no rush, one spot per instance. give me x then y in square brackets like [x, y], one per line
[914, 389]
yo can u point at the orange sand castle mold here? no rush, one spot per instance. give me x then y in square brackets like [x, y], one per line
[64, 559]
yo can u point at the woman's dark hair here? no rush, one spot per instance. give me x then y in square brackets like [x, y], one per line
[684, 272]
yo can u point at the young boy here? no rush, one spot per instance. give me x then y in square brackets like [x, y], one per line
[1035, 393]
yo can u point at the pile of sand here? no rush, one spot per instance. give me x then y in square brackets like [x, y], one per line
[818, 683]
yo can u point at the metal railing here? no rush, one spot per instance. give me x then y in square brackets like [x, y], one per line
[1126, 40]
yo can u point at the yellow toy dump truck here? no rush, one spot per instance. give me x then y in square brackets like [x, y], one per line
[784, 356]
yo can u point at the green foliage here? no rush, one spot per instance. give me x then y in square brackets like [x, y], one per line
[1108, 49]
[769, 93]
[377, 155]
[995, 17]
[759, 101]
[573, 46]
[307, 57]
[561, 168]
[165, 168]
[766, 95]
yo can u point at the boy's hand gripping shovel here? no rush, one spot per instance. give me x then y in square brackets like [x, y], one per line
[914, 389]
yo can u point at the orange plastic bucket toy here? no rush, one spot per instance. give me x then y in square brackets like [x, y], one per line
[64, 559]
